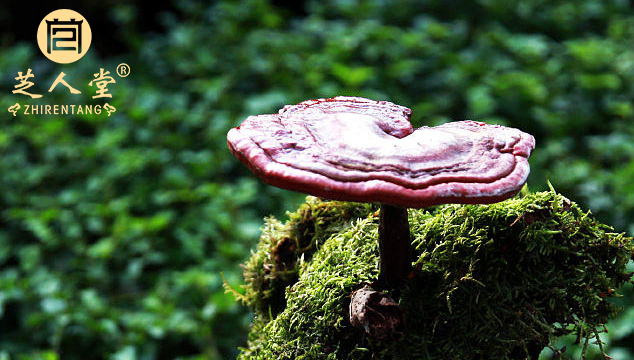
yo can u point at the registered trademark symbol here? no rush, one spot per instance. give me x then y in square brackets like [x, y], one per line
[123, 70]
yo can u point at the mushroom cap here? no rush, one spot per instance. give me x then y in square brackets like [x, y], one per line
[356, 149]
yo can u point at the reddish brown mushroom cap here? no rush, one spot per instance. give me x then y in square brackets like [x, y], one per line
[355, 149]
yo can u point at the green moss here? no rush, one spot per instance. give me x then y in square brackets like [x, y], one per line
[494, 281]
[282, 247]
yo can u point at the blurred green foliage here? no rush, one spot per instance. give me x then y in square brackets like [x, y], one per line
[114, 230]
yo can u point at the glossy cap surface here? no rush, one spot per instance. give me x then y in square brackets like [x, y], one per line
[355, 149]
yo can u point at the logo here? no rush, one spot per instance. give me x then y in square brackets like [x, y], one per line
[64, 36]
[14, 109]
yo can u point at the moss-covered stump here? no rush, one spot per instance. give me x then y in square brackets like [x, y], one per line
[497, 281]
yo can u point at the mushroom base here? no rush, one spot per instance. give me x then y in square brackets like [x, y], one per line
[376, 314]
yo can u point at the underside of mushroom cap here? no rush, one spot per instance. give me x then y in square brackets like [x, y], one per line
[356, 149]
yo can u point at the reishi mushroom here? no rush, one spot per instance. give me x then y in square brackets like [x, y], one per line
[356, 149]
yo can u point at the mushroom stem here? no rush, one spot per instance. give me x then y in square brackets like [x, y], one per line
[394, 247]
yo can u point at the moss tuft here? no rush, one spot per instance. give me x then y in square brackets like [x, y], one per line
[498, 281]
[283, 247]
